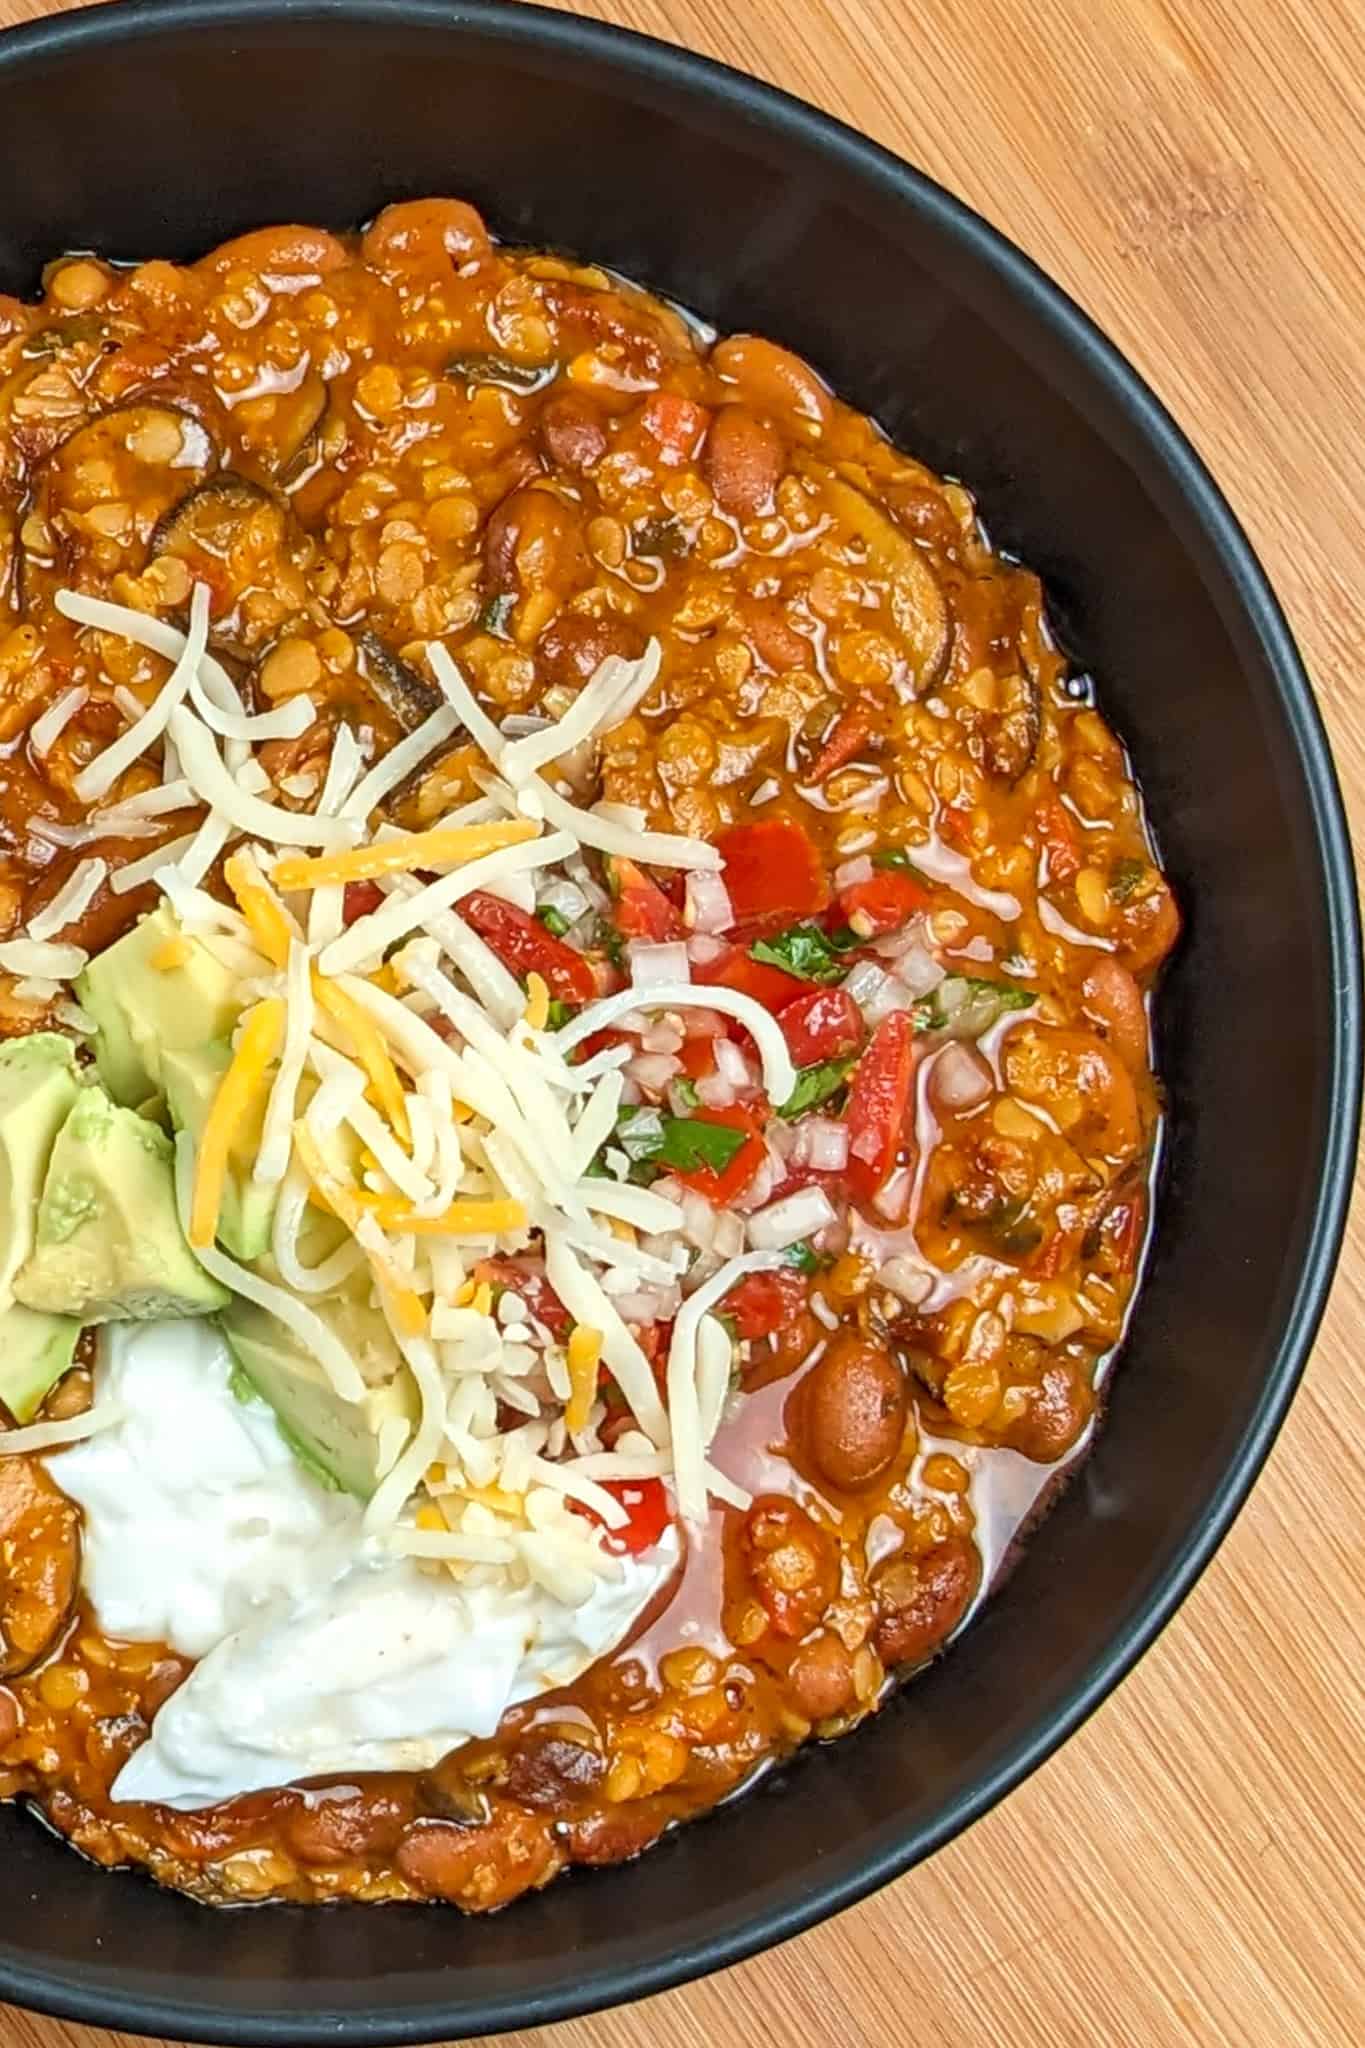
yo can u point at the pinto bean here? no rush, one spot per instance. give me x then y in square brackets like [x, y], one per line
[614, 1836]
[572, 431]
[921, 1600]
[573, 646]
[289, 251]
[480, 1868]
[552, 1768]
[534, 541]
[821, 1677]
[772, 638]
[743, 461]
[1058, 1409]
[329, 1828]
[426, 234]
[1113, 1002]
[1081, 1083]
[854, 1405]
[1148, 928]
[773, 379]
[792, 1564]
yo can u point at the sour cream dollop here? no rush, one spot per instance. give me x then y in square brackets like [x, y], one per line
[320, 1652]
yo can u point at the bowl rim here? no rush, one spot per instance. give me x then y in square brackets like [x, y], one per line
[517, 25]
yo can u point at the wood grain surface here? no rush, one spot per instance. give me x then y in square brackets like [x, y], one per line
[1188, 1869]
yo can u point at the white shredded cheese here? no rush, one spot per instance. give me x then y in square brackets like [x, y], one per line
[41, 958]
[71, 901]
[49, 726]
[371, 936]
[104, 771]
[208, 775]
[779, 1075]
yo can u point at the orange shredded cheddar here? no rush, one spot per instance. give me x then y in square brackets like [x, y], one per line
[583, 1358]
[370, 1050]
[473, 1217]
[260, 907]
[446, 848]
[259, 1042]
[347, 1206]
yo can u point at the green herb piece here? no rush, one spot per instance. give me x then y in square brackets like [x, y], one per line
[686, 1092]
[1013, 1229]
[649, 1137]
[806, 951]
[815, 1085]
[1126, 878]
[553, 920]
[495, 614]
[558, 1013]
[491, 368]
[898, 857]
[965, 1006]
[804, 1257]
[609, 941]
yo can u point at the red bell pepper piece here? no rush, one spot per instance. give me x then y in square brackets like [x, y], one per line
[640, 909]
[360, 899]
[765, 1302]
[726, 1186]
[1057, 838]
[532, 1288]
[852, 730]
[823, 1025]
[767, 985]
[523, 944]
[676, 423]
[773, 872]
[883, 903]
[646, 1503]
[879, 1105]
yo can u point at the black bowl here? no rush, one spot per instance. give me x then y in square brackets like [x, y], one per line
[156, 130]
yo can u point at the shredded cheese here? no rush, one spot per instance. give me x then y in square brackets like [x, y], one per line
[779, 1075]
[45, 1436]
[49, 726]
[371, 936]
[684, 1406]
[71, 901]
[214, 785]
[583, 1358]
[42, 958]
[100, 775]
[436, 849]
[256, 1047]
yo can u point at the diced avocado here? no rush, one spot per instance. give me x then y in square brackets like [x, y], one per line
[109, 1246]
[142, 1009]
[35, 1350]
[38, 1085]
[339, 1438]
[190, 1076]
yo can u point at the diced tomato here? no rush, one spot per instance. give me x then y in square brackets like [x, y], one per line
[822, 1025]
[676, 423]
[601, 1041]
[767, 985]
[1122, 1231]
[884, 903]
[360, 899]
[523, 944]
[773, 873]
[765, 1302]
[698, 1056]
[640, 909]
[1057, 837]
[852, 730]
[646, 1503]
[879, 1104]
[532, 1288]
[726, 1187]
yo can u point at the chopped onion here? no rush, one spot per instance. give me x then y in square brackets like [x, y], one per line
[564, 897]
[789, 1220]
[707, 904]
[731, 1064]
[663, 1035]
[760, 1188]
[850, 872]
[652, 1071]
[911, 1282]
[960, 1078]
[699, 1219]
[703, 949]
[893, 1200]
[822, 1143]
[652, 964]
[715, 1092]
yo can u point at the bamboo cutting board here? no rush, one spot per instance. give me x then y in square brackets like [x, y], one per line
[1187, 1873]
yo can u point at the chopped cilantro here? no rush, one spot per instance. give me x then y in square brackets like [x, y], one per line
[807, 952]
[804, 1257]
[553, 920]
[686, 1092]
[965, 1005]
[1126, 878]
[558, 1013]
[815, 1085]
[897, 857]
[650, 1137]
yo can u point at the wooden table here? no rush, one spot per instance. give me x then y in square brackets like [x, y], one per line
[1188, 1869]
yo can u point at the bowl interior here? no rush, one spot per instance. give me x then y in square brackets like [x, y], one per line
[759, 215]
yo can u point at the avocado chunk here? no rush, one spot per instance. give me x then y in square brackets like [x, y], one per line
[337, 1439]
[35, 1350]
[38, 1085]
[142, 1010]
[108, 1245]
[191, 1076]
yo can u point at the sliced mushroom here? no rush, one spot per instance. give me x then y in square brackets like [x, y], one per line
[40, 1556]
[407, 696]
[918, 605]
[103, 492]
[244, 543]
